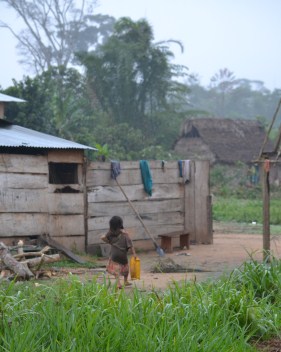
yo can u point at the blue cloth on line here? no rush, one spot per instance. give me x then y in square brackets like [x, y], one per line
[115, 169]
[180, 167]
[146, 176]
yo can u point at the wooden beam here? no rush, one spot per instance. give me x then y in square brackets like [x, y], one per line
[53, 243]
[269, 129]
[266, 212]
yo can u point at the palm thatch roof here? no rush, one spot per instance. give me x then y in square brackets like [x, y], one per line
[221, 140]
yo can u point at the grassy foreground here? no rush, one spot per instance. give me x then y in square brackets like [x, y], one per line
[68, 315]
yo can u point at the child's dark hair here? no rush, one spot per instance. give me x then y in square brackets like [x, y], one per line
[116, 223]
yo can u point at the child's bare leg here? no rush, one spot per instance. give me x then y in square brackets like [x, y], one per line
[118, 282]
[126, 282]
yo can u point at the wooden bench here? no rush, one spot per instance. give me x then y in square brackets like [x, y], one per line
[166, 240]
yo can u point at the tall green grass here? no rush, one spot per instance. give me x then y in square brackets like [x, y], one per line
[223, 315]
[245, 210]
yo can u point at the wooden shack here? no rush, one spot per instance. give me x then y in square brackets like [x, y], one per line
[223, 141]
[42, 187]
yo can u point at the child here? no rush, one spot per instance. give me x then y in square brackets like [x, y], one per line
[120, 244]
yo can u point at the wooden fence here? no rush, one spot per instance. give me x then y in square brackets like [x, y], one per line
[173, 206]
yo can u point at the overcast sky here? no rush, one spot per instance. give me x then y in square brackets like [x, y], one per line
[241, 35]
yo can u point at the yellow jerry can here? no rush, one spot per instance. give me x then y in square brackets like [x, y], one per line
[135, 268]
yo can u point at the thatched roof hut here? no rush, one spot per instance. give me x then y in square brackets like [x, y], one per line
[220, 140]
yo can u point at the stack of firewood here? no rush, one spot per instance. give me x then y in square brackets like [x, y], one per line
[24, 265]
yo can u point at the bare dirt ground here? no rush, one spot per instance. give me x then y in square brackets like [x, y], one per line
[202, 262]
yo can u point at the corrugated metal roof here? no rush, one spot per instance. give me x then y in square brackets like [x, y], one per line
[7, 98]
[17, 136]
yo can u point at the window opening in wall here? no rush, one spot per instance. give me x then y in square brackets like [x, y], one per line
[63, 173]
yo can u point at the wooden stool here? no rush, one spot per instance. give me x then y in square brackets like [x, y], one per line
[166, 240]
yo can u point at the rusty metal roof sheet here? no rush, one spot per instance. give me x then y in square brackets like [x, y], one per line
[16, 136]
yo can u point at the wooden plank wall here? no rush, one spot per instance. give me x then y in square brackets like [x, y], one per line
[23, 193]
[198, 205]
[173, 205]
[30, 206]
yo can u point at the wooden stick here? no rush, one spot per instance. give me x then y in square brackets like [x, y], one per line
[136, 212]
[32, 254]
[43, 259]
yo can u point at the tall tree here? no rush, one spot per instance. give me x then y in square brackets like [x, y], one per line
[222, 83]
[54, 30]
[132, 76]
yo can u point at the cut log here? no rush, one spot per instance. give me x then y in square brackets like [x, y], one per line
[51, 242]
[20, 269]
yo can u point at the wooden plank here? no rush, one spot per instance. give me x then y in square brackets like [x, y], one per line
[30, 181]
[131, 177]
[26, 201]
[85, 202]
[210, 217]
[136, 233]
[66, 225]
[23, 224]
[157, 219]
[113, 194]
[66, 203]
[30, 164]
[189, 204]
[123, 208]
[202, 192]
[266, 213]
[66, 156]
[59, 246]
[130, 165]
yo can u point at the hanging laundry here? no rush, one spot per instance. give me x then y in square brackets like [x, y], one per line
[180, 167]
[115, 169]
[186, 171]
[146, 176]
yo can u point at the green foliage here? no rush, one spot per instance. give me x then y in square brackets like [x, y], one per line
[56, 103]
[245, 210]
[132, 80]
[235, 98]
[70, 315]
[234, 181]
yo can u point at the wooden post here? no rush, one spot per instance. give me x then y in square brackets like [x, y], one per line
[85, 201]
[266, 211]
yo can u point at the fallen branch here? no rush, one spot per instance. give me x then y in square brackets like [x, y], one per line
[42, 260]
[32, 254]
